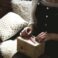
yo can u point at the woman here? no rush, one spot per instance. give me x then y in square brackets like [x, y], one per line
[45, 19]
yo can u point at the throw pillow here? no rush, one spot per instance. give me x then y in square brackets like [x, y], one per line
[10, 24]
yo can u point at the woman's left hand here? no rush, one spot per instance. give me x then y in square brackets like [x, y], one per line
[41, 37]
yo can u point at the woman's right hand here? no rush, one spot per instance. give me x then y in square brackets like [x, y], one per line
[26, 32]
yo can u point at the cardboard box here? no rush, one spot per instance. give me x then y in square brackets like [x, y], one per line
[29, 48]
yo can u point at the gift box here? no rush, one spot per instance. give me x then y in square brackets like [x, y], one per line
[29, 48]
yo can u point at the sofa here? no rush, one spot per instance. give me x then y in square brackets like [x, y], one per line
[24, 11]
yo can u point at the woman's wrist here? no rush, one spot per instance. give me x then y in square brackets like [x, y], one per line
[30, 25]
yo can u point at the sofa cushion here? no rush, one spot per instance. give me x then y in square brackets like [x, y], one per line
[10, 24]
[23, 8]
[8, 48]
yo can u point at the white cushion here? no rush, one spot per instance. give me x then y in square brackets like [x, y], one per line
[23, 8]
[8, 48]
[10, 24]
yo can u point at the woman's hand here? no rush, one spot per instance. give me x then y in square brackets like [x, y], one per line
[26, 32]
[41, 37]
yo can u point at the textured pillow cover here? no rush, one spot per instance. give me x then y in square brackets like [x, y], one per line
[8, 48]
[23, 8]
[10, 24]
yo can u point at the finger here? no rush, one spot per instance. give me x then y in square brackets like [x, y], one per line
[33, 39]
[29, 32]
[41, 33]
[27, 28]
[43, 37]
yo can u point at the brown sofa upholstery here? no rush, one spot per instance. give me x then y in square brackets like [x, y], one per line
[5, 6]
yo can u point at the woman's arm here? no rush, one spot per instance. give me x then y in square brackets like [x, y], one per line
[52, 36]
[33, 20]
[34, 5]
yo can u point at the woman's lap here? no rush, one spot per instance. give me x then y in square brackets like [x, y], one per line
[51, 48]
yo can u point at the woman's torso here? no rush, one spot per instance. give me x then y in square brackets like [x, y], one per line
[47, 18]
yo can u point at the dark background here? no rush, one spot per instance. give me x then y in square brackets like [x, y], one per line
[5, 7]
